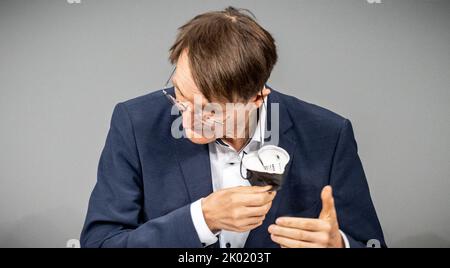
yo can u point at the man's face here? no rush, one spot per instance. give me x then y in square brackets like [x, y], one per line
[206, 121]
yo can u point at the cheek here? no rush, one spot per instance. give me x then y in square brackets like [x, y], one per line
[187, 120]
[194, 131]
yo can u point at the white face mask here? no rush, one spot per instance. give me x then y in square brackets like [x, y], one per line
[266, 166]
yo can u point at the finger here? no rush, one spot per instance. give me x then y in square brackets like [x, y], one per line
[291, 243]
[254, 189]
[255, 199]
[328, 211]
[246, 227]
[293, 233]
[249, 227]
[257, 211]
[303, 223]
[252, 221]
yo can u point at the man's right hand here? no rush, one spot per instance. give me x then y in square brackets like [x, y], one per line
[238, 209]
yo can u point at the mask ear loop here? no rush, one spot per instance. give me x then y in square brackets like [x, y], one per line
[240, 167]
[261, 127]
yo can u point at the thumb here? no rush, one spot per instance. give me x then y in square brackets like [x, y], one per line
[328, 210]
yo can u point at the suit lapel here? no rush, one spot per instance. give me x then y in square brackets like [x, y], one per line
[195, 166]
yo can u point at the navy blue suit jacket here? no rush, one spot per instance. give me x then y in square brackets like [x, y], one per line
[147, 179]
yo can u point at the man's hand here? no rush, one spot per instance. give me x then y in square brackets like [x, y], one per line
[292, 232]
[237, 209]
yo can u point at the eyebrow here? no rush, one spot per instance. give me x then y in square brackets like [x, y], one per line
[176, 85]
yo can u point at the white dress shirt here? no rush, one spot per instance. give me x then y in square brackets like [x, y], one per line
[225, 171]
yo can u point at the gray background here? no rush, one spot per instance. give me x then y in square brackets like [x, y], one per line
[64, 66]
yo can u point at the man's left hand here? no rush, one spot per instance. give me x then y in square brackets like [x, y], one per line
[294, 232]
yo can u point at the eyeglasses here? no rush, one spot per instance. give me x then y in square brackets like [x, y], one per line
[207, 119]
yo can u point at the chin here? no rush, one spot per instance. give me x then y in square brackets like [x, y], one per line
[197, 139]
[201, 140]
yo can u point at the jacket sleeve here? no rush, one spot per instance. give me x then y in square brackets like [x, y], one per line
[114, 217]
[356, 214]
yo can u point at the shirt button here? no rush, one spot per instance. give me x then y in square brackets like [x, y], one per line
[231, 164]
[228, 245]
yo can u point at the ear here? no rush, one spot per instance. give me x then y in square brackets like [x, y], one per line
[258, 98]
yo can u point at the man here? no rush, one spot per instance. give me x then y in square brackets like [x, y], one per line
[171, 173]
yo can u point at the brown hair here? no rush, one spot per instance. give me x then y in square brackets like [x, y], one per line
[230, 55]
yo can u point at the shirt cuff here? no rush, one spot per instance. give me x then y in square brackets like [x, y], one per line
[204, 233]
[344, 237]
